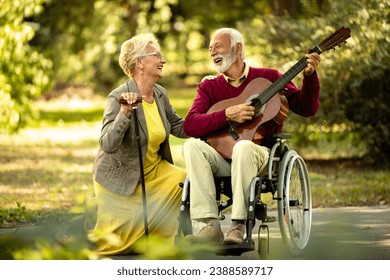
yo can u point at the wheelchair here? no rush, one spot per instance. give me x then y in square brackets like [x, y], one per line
[286, 178]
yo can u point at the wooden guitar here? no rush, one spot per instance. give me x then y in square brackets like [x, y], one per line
[271, 106]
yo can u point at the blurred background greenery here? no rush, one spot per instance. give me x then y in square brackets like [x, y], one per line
[48, 45]
[58, 61]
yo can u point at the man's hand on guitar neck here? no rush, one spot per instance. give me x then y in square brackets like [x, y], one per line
[312, 59]
[240, 113]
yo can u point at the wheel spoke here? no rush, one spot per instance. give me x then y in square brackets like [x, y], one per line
[297, 213]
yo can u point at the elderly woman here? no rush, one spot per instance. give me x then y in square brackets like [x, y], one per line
[116, 170]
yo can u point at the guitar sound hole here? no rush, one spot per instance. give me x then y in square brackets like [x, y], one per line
[258, 109]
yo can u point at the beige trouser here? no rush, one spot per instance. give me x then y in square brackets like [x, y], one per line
[203, 163]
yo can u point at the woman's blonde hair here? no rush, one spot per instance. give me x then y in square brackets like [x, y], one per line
[133, 49]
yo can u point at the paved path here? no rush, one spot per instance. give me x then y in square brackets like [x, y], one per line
[352, 233]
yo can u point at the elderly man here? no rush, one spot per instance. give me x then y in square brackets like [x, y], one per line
[203, 162]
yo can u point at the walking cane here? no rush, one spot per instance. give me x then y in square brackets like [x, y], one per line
[141, 165]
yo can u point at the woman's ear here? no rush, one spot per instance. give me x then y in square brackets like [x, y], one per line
[139, 63]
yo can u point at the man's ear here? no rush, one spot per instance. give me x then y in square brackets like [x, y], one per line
[239, 48]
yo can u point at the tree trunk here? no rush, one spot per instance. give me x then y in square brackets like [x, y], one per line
[284, 7]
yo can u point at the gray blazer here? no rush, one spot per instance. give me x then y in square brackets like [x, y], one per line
[116, 166]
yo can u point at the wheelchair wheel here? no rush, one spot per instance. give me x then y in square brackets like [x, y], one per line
[294, 202]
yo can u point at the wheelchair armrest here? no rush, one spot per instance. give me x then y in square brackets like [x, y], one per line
[282, 135]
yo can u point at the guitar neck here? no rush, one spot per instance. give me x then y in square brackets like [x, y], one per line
[279, 84]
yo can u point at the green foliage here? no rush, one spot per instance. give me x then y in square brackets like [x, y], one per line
[353, 78]
[82, 39]
[24, 72]
[43, 249]
[20, 214]
[10, 244]
[357, 186]
[77, 42]
[48, 235]
[157, 248]
[367, 83]
[48, 241]
[367, 108]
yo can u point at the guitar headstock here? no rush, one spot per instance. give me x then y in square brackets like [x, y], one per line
[332, 41]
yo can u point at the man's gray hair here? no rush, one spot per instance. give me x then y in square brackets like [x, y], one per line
[235, 37]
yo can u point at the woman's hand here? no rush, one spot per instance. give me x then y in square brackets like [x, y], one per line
[132, 99]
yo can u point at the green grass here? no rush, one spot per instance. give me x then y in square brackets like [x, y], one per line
[47, 168]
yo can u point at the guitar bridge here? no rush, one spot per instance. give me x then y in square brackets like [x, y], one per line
[232, 132]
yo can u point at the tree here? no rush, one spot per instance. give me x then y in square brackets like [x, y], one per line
[24, 72]
[46, 42]
[353, 78]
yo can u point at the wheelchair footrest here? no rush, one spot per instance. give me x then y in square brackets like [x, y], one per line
[270, 219]
[236, 249]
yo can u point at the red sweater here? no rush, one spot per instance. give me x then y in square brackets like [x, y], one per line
[304, 102]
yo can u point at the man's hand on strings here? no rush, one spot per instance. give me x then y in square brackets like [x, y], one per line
[240, 113]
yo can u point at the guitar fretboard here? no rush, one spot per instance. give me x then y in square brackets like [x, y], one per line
[279, 84]
[273, 89]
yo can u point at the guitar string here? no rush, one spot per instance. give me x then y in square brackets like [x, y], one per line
[275, 87]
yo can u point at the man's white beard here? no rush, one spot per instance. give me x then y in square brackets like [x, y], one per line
[227, 61]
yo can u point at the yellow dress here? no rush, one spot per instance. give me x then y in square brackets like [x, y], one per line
[120, 222]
